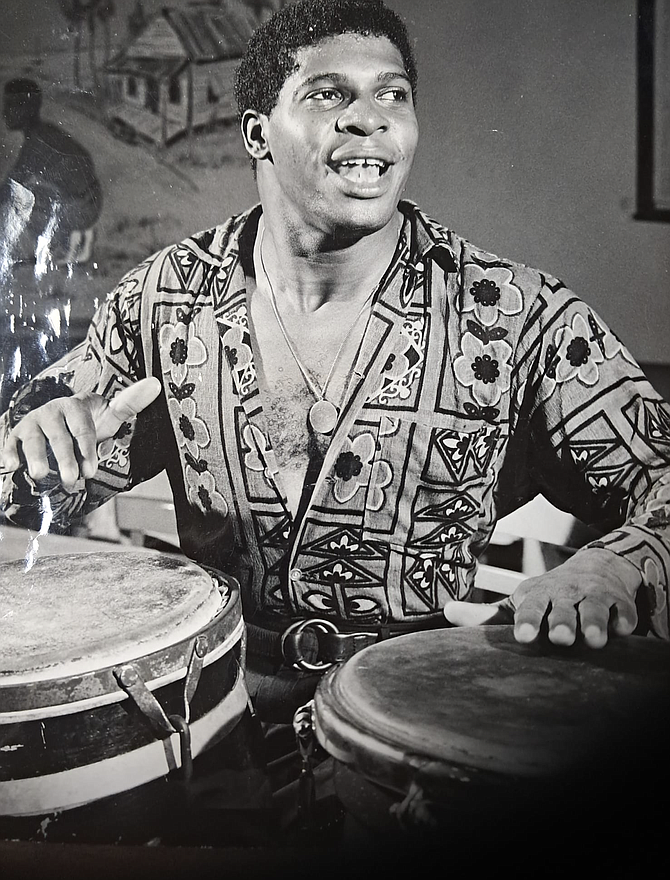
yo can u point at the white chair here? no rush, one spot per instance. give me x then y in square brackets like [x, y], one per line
[147, 511]
[502, 581]
[537, 522]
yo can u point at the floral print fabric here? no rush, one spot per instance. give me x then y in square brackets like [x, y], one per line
[479, 383]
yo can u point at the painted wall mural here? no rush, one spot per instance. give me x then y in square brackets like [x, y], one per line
[119, 136]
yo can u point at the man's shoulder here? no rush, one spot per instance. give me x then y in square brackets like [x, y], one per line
[215, 243]
[184, 270]
[475, 263]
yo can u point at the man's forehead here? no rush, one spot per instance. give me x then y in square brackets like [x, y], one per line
[345, 54]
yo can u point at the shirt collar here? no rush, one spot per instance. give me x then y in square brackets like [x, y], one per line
[430, 239]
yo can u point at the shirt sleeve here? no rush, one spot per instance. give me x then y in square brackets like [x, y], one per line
[109, 359]
[598, 437]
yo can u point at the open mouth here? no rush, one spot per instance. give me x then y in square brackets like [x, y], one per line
[363, 170]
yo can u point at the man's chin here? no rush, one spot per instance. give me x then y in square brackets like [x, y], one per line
[365, 216]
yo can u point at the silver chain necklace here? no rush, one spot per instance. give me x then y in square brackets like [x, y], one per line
[323, 414]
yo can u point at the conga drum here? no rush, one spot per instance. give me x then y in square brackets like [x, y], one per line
[118, 674]
[460, 733]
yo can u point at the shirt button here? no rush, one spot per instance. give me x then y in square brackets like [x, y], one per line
[296, 574]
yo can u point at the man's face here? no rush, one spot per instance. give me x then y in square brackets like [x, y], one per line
[342, 137]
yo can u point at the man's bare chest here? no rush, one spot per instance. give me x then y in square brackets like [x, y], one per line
[315, 362]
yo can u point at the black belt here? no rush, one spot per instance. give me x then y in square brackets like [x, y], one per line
[316, 644]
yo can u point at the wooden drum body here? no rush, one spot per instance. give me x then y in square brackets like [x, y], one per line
[104, 659]
[464, 728]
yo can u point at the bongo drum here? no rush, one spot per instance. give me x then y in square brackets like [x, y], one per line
[457, 727]
[116, 671]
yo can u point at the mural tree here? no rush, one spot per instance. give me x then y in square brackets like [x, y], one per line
[105, 12]
[136, 20]
[87, 13]
[74, 12]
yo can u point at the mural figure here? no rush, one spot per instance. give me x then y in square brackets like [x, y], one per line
[49, 205]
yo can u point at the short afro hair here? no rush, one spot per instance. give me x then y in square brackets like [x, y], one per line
[270, 57]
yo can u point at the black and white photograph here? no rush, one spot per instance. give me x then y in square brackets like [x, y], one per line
[334, 442]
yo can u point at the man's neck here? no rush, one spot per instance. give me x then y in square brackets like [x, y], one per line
[309, 272]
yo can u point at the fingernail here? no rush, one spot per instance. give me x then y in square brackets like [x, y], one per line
[623, 627]
[561, 635]
[595, 637]
[68, 479]
[525, 632]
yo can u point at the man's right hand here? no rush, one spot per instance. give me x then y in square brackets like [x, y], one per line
[72, 427]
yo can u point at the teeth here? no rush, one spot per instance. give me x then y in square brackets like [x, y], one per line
[362, 170]
[364, 163]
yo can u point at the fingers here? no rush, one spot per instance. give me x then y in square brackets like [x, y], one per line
[66, 428]
[624, 617]
[126, 405]
[529, 617]
[594, 617]
[80, 425]
[9, 458]
[70, 429]
[564, 621]
[604, 614]
[35, 454]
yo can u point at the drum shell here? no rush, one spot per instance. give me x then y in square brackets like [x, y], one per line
[615, 716]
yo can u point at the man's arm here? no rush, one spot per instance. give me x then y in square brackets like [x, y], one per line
[72, 427]
[67, 434]
[599, 447]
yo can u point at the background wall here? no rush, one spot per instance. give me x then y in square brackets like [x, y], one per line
[528, 114]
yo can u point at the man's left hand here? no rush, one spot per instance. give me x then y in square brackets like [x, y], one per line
[592, 594]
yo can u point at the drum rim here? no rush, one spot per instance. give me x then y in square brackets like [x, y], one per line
[196, 607]
[68, 694]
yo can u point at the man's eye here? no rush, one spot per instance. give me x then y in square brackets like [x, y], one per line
[394, 96]
[325, 95]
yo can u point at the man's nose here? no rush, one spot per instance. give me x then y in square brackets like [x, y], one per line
[362, 117]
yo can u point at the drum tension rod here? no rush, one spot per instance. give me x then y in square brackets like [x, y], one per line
[200, 649]
[306, 742]
[128, 676]
[184, 731]
[130, 679]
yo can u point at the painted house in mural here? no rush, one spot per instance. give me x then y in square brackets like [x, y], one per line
[177, 74]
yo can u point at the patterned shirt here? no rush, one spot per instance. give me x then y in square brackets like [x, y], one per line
[479, 383]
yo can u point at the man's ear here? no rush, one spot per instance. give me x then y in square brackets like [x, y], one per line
[253, 133]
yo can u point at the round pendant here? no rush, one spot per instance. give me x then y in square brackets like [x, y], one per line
[322, 416]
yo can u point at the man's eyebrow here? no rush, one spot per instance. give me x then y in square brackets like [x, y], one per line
[393, 74]
[341, 78]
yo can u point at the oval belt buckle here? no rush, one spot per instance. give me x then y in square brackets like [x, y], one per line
[295, 629]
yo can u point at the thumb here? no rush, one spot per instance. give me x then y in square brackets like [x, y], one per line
[126, 405]
[479, 613]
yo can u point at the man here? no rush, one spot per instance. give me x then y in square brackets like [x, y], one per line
[48, 208]
[345, 394]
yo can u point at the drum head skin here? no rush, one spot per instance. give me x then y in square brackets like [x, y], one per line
[72, 614]
[463, 702]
